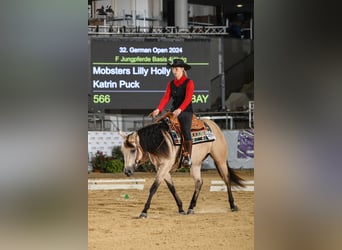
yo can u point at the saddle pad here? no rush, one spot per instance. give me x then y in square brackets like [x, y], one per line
[198, 136]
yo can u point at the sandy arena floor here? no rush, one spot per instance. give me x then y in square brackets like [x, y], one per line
[113, 218]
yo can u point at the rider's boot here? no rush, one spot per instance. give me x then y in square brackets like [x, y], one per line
[187, 153]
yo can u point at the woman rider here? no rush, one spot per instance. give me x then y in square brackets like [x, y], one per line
[181, 89]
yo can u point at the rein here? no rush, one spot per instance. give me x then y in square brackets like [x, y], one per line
[143, 160]
[144, 157]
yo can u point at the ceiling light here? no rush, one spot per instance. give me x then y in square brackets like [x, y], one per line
[239, 5]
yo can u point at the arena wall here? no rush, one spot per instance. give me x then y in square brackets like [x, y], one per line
[240, 147]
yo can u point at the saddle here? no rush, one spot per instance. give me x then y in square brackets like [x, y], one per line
[200, 131]
[196, 124]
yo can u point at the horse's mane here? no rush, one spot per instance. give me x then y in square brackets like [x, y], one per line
[152, 139]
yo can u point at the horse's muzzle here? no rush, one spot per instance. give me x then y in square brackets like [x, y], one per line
[129, 171]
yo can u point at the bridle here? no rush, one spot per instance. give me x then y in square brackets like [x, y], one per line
[139, 150]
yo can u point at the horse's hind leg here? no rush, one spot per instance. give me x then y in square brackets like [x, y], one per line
[224, 173]
[196, 175]
[172, 189]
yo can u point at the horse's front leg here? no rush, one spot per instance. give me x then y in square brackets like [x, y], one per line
[172, 189]
[196, 175]
[153, 190]
[162, 172]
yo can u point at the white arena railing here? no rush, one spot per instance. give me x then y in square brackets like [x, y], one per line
[125, 122]
[150, 30]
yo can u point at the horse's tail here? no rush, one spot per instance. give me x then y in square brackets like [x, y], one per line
[234, 177]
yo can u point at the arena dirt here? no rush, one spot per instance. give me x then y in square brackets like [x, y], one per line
[113, 216]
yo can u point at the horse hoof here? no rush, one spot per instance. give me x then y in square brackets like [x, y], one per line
[143, 216]
[190, 211]
[234, 209]
[182, 212]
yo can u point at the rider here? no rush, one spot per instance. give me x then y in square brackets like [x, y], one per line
[181, 89]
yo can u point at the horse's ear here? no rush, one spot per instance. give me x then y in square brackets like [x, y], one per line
[136, 137]
[122, 134]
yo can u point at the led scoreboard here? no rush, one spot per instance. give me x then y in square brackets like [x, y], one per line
[131, 74]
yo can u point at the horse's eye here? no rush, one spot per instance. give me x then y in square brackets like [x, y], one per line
[133, 151]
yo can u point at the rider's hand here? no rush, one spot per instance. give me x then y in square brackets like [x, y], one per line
[177, 112]
[155, 112]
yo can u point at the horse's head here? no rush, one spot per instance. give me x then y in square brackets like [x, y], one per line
[132, 152]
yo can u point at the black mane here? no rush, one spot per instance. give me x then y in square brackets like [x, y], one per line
[152, 139]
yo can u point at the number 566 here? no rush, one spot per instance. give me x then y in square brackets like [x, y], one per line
[101, 99]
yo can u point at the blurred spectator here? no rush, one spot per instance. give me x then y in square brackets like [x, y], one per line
[101, 11]
[234, 29]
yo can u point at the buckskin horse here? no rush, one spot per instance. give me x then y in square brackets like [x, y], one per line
[158, 143]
